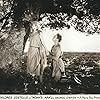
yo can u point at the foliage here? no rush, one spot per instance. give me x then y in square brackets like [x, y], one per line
[82, 14]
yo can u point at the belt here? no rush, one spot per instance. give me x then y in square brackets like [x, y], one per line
[35, 46]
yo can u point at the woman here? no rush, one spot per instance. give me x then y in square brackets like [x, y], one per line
[57, 62]
[36, 61]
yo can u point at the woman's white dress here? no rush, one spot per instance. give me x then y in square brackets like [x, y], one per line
[36, 60]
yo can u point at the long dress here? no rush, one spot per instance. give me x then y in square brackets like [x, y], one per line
[36, 60]
[57, 62]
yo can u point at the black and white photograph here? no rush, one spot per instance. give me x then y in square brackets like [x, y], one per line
[49, 47]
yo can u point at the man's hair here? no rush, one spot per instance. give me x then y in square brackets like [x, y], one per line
[59, 37]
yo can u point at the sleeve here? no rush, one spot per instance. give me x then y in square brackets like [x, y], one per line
[57, 53]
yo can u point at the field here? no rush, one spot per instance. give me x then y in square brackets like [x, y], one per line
[82, 71]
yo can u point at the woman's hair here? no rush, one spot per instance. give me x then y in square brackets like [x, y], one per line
[59, 37]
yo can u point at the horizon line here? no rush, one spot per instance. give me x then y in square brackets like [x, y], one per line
[84, 51]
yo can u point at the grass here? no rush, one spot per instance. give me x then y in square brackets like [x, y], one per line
[81, 64]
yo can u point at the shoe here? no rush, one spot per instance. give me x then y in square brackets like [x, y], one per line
[63, 74]
[36, 82]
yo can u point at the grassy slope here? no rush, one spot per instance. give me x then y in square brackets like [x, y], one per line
[19, 82]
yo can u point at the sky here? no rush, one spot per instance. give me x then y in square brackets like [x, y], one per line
[72, 40]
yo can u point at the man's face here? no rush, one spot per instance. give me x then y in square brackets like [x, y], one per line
[55, 39]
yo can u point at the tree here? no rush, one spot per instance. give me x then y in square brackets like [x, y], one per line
[15, 16]
[82, 14]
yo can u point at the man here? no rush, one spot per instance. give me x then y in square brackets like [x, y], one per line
[57, 62]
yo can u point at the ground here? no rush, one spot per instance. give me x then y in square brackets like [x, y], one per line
[82, 71]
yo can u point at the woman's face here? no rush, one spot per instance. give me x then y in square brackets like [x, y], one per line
[55, 40]
[34, 25]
